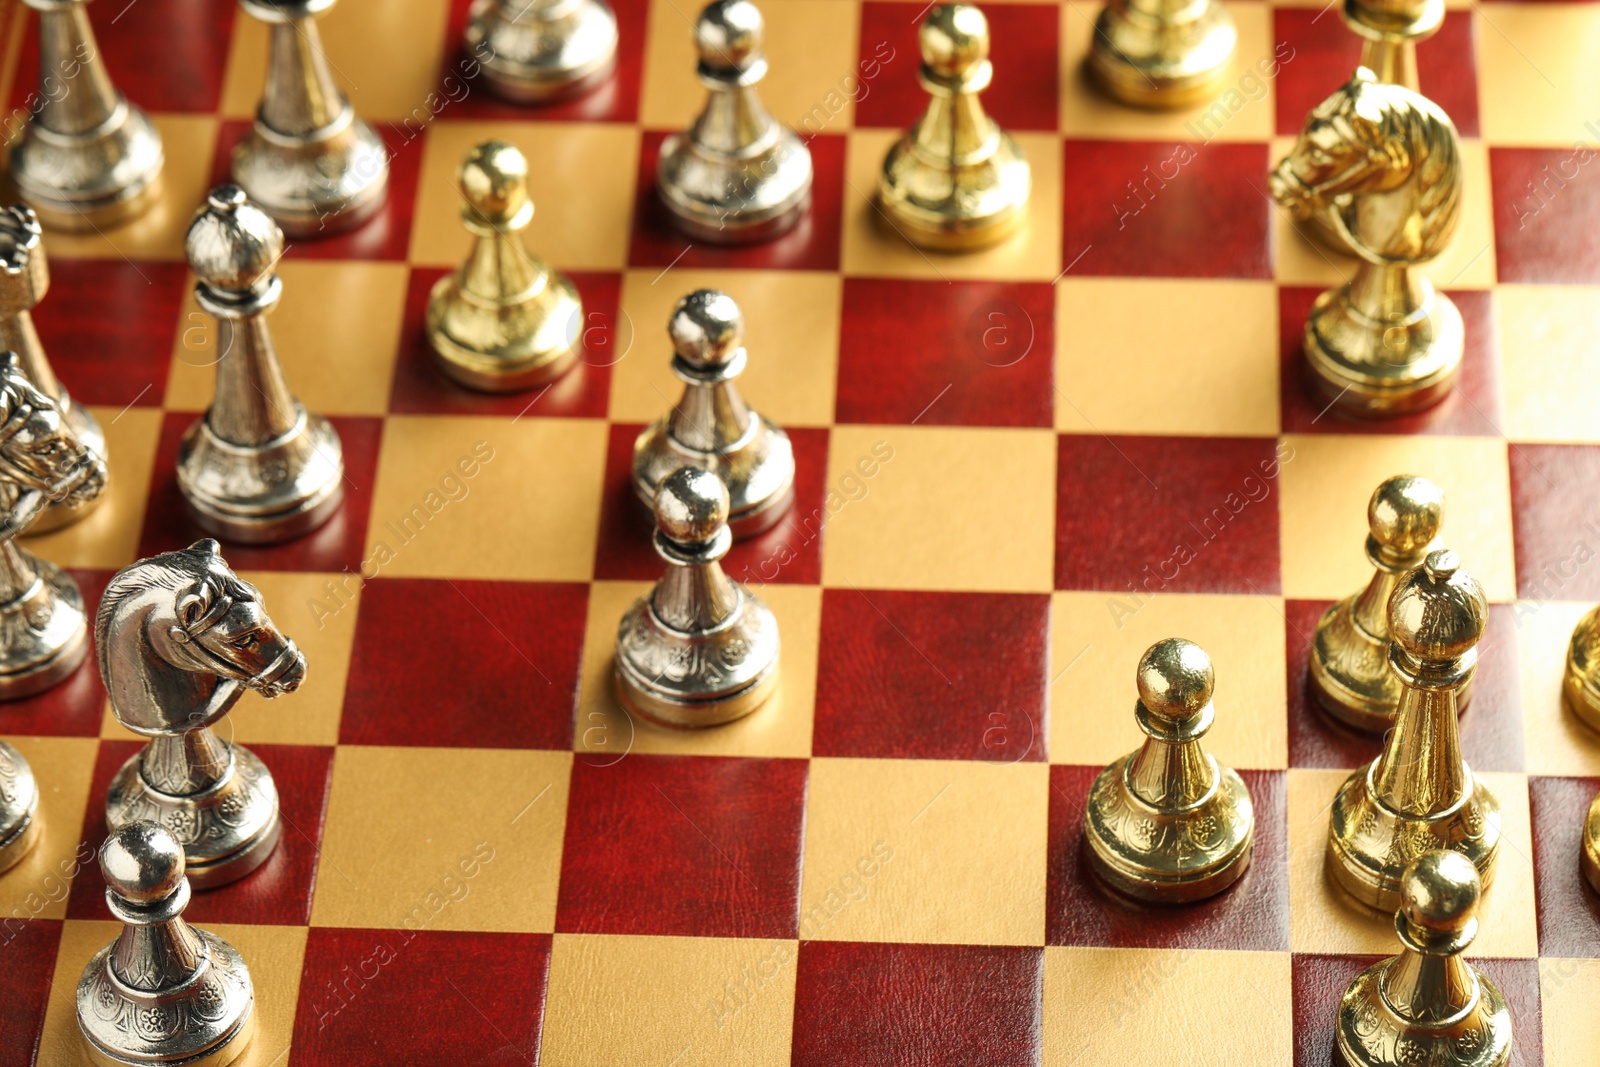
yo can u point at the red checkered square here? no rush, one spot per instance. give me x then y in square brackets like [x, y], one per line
[1569, 910]
[29, 947]
[1546, 209]
[107, 325]
[1555, 516]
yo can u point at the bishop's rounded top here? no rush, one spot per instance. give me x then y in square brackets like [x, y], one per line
[1439, 892]
[954, 40]
[706, 328]
[728, 35]
[691, 506]
[232, 244]
[1405, 513]
[494, 179]
[1438, 610]
[1175, 679]
[142, 863]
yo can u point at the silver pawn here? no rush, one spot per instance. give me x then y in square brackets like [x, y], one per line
[88, 159]
[308, 160]
[24, 279]
[712, 427]
[699, 649]
[736, 175]
[536, 51]
[163, 992]
[258, 467]
[19, 807]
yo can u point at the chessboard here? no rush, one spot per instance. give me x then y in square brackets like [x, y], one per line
[1003, 457]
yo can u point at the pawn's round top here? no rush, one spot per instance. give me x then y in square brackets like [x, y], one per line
[691, 506]
[706, 328]
[1439, 891]
[728, 35]
[142, 863]
[1405, 513]
[232, 244]
[1175, 680]
[494, 179]
[1438, 610]
[954, 39]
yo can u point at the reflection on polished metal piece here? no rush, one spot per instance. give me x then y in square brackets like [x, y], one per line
[504, 321]
[163, 992]
[737, 175]
[1381, 165]
[1162, 53]
[1590, 856]
[1581, 681]
[19, 807]
[1166, 823]
[712, 427]
[535, 51]
[699, 649]
[24, 278]
[1350, 653]
[180, 638]
[1428, 1005]
[257, 467]
[308, 160]
[88, 159]
[1419, 794]
[43, 626]
[956, 180]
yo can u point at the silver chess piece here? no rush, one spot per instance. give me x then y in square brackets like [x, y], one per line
[24, 279]
[19, 808]
[699, 649]
[537, 51]
[88, 159]
[308, 160]
[163, 992]
[43, 625]
[711, 427]
[737, 175]
[180, 638]
[257, 467]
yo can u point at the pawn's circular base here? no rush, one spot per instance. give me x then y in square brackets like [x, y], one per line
[537, 60]
[80, 183]
[19, 807]
[321, 184]
[1135, 60]
[695, 680]
[735, 201]
[46, 632]
[87, 429]
[759, 475]
[1379, 21]
[15, 847]
[1372, 370]
[954, 210]
[1589, 858]
[1370, 1033]
[503, 349]
[266, 493]
[1350, 675]
[1581, 678]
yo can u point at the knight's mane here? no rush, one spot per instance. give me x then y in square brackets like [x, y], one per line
[174, 571]
[1434, 152]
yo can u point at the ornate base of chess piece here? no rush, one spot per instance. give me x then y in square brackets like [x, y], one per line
[504, 321]
[700, 649]
[736, 176]
[1162, 53]
[1581, 680]
[956, 180]
[308, 160]
[19, 807]
[45, 624]
[1427, 1005]
[711, 427]
[1166, 823]
[537, 51]
[164, 992]
[1590, 857]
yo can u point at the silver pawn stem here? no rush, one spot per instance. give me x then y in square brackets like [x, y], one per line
[258, 467]
[88, 159]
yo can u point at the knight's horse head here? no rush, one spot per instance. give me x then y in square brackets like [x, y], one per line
[1382, 164]
[38, 449]
[179, 636]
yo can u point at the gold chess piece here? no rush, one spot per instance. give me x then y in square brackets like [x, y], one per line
[1581, 681]
[505, 320]
[1167, 823]
[1428, 1005]
[1350, 653]
[1162, 53]
[956, 180]
[1590, 858]
[1419, 794]
[19, 807]
[1380, 165]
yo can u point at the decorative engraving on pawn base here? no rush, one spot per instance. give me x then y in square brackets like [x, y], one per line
[711, 427]
[1581, 679]
[700, 649]
[1419, 794]
[1589, 858]
[180, 638]
[737, 175]
[19, 808]
[1381, 165]
[1166, 823]
[1162, 53]
[540, 51]
[163, 992]
[956, 180]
